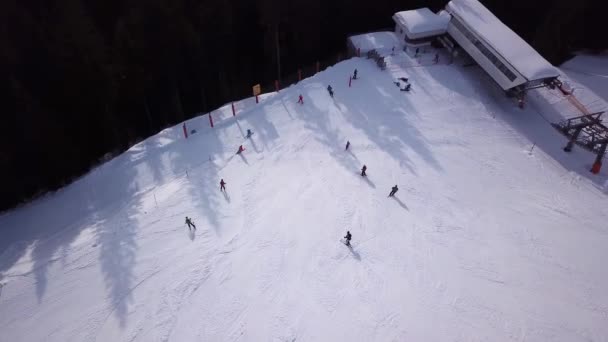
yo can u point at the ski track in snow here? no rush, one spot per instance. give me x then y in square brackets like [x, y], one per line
[486, 239]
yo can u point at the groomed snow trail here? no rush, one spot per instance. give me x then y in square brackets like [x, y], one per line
[484, 241]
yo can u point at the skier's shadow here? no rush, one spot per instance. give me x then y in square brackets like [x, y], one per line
[355, 254]
[255, 147]
[400, 203]
[226, 196]
[244, 159]
[191, 234]
[354, 156]
[366, 178]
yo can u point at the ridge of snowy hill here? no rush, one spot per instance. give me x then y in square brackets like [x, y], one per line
[494, 234]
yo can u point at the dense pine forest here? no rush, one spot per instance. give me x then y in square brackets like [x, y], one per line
[82, 79]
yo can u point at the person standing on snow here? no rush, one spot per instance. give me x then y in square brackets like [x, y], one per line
[249, 133]
[330, 91]
[222, 185]
[240, 150]
[190, 223]
[347, 145]
[300, 99]
[355, 75]
[393, 191]
[347, 238]
[363, 169]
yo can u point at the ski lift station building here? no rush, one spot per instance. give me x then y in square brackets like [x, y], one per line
[418, 28]
[505, 56]
[467, 25]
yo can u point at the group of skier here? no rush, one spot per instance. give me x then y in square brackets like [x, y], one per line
[330, 90]
[394, 190]
[241, 149]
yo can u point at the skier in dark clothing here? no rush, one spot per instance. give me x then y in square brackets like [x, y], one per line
[363, 169]
[240, 150]
[355, 75]
[249, 133]
[190, 223]
[347, 238]
[330, 90]
[393, 191]
[222, 185]
[347, 145]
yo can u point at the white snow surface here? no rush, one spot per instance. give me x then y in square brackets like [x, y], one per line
[381, 41]
[495, 234]
[591, 71]
[502, 39]
[422, 22]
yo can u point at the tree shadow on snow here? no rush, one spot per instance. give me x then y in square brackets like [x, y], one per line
[389, 132]
[103, 202]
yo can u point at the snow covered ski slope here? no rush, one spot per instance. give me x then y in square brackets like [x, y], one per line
[487, 239]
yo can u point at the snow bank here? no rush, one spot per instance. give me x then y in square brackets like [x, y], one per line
[421, 22]
[590, 71]
[500, 37]
[375, 40]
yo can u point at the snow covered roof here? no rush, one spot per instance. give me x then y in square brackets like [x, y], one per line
[375, 40]
[422, 20]
[502, 39]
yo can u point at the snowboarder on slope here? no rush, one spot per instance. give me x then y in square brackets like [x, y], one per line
[240, 150]
[347, 145]
[330, 91]
[363, 169]
[347, 238]
[249, 133]
[300, 99]
[190, 223]
[222, 185]
[393, 191]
